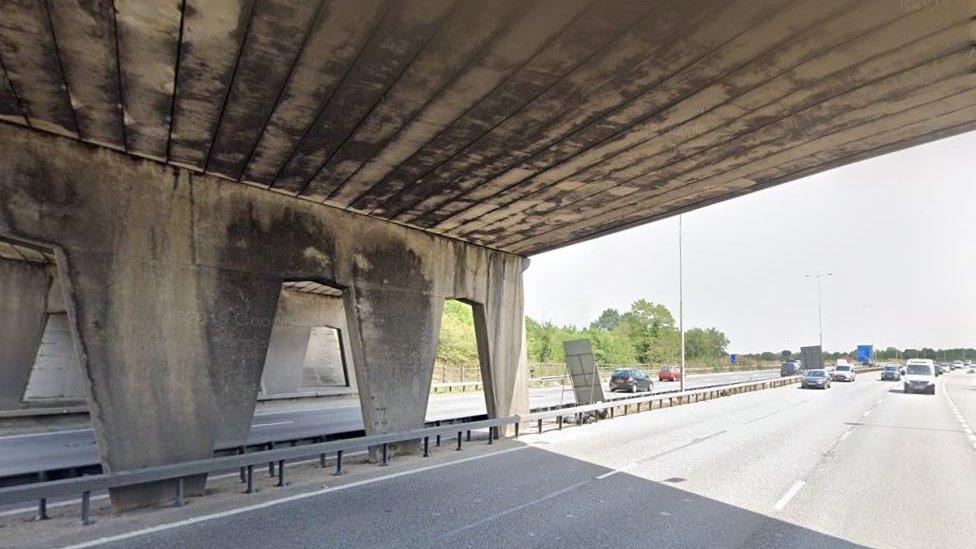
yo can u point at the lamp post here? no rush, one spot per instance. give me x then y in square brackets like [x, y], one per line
[819, 302]
[681, 305]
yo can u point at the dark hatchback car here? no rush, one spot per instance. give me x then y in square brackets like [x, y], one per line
[815, 379]
[630, 379]
[891, 373]
[789, 369]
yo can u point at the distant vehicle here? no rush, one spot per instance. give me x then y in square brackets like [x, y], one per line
[941, 368]
[669, 373]
[815, 379]
[891, 372]
[843, 372]
[920, 376]
[789, 368]
[956, 365]
[971, 369]
[630, 379]
[902, 369]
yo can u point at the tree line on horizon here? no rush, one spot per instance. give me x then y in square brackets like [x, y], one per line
[644, 334]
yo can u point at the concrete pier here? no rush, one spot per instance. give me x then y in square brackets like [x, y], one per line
[172, 281]
[23, 311]
[309, 336]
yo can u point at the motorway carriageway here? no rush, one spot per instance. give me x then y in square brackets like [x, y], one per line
[858, 464]
[73, 447]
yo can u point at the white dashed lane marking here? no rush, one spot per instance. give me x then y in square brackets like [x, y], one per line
[962, 421]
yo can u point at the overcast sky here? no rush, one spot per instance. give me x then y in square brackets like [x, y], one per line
[898, 232]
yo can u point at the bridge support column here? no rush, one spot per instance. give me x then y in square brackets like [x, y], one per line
[286, 359]
[171, 282]
[500, 331]
[292, 340]
[23, 307]
[394, 339]
[173, 355]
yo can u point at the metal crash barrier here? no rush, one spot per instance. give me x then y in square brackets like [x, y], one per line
[277, 459]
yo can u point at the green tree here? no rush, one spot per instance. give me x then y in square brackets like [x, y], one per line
[705, 344]
[610, 347]
[650, 329]
[607, 320]
[457, 343]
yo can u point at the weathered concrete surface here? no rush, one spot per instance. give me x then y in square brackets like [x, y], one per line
[56, 377]
[500, 333]
[522, 125]
[172, 280]
[394, 341]
[291, 348]
[23, 310]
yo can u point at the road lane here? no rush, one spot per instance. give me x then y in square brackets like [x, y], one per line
[907, 468]
[711, 474]
[21, 454]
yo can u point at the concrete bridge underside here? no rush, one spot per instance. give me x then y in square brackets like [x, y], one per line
[181, 160]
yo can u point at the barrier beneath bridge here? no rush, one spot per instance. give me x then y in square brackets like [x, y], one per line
[277, 459]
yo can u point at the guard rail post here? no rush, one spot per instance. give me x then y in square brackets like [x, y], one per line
[178, 500]
[86, 519]
[281, 473]
[41, 503]
[240, 451]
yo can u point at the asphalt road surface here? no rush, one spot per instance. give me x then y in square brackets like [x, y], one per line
[27, 453]
[858, 464]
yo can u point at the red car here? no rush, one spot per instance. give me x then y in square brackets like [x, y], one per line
[669, 373]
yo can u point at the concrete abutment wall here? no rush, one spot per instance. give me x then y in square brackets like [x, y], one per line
[172, 279]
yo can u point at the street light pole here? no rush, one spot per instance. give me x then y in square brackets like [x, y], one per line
[819, 303]
[681, 305]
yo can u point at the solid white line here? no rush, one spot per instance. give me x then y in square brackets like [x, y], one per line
[846, 434]
[296, 497]
[615, 471]
[24, 510]
[788, 495]
[866, 414]
[273, 423]
[45, 434]
[509, 511]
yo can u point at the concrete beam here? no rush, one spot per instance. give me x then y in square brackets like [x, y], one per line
[23, 301]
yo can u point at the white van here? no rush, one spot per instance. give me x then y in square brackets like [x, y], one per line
[919, 376]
